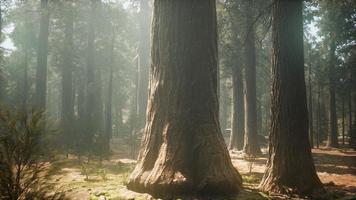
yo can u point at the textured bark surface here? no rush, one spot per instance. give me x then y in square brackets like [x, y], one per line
[41, 70]
[332, 136]
[251, 146]
[290, 166]
[238, 112]
[182, 150]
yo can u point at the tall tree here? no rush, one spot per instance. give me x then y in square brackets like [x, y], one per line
[238, 112]
[108, 109]
[332, 136]
[144, 53]
[1, 57]
[182, 135]
[41, 72]
[251, 145]
[290, 166]
[238, 101]
[91, 95]
[67, 77]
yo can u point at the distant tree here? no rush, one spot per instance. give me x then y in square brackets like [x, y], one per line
[41, 72]
[238, 110]
[290, 166]
[143, 53]
[108, 109]
[251, 145]
[67, 78]
[182, 137]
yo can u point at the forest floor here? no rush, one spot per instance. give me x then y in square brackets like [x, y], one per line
[80, 180]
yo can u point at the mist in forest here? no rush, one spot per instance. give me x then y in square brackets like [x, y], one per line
[168, 99]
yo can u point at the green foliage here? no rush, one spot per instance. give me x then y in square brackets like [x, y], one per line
[21, 168]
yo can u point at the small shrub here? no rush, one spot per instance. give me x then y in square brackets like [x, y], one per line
[21, 168]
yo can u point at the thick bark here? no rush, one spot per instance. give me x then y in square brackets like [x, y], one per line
[41, 70]
[67, 79]
[144, 54]
[332, 136]
[290, 167]
[238, 112]
[182, 137]
[251, 146]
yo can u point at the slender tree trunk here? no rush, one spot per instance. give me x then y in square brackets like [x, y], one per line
[67, 80]
[25, 81]
[251, 146]
[182, 137]
[144, 53]
[238, 112]
[350, 112]
[289, 144]
[223, 99]
[41, 73]
[91, 95]
[333, 135]
[353, 131]
[311, 125]
[319, 129]
[1, 60]
[108, 121]
[343, 118]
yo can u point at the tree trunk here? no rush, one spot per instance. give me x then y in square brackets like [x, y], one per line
[251, 146]
[1, 59]
[333, 135]
[238, 112]
[25, 80]
[319, 129]
[350, 112]
[311, 128]
[91, 95]
[343, 118]
[67, 80]
[144, 53]
[224, 100]
[182, 150]
[289, 144]
[108, 109]
[41, 71]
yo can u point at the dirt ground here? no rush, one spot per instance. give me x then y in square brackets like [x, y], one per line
[80, 180]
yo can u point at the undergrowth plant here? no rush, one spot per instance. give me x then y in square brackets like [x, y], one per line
[22, 167]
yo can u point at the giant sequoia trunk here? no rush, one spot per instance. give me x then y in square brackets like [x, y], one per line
[67, 78]
[251, 145]
[182, 150]
[332, 136]
[290, 167]
[238, 112]
[41, 70]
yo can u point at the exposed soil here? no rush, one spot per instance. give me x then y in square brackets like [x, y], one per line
[80, 180]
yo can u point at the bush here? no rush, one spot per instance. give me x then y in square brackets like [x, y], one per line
[22, 168]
